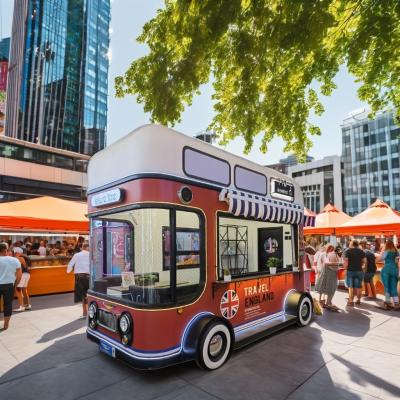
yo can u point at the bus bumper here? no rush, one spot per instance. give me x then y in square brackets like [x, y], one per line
[147, 361]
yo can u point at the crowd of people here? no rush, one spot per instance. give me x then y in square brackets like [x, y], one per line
[359, 259]
[36, 246]
[15, 264]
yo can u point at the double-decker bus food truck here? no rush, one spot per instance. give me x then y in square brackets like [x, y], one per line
[194, 251]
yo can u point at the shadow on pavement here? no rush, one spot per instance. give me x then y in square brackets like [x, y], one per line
[63, 330]
[50, 301]
[362, 377]
[280, 367]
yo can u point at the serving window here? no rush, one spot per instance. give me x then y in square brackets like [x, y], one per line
[149, 256]
[250, 247]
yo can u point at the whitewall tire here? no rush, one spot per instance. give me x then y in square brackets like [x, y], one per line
[215, 346]
[304, 311]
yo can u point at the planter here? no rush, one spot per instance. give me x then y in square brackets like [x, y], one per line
[227, 278]
[272, 270]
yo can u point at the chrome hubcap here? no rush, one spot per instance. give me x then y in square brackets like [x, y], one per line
[304, 310]
[216, 344]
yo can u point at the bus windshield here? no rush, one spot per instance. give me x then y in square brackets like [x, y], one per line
[148, 257]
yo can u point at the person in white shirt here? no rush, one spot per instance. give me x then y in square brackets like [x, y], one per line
[10, 275]
[42, 249]
[80, 263]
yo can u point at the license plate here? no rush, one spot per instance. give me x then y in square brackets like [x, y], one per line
[107, 348]
[107, 320]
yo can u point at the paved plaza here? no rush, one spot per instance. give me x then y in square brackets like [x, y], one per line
[351, 355]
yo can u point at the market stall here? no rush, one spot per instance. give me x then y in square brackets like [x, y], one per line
[50, 220]
[326, 223]
[379, 219]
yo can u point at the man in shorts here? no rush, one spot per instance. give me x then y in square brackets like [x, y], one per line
[80, 263]
[10, 275]
[354, 261]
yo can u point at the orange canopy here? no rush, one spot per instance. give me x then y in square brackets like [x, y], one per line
[44, 214]
[377, 219]
[327, 220]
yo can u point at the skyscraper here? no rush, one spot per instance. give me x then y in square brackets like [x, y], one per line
[58, 74]
[370, 155]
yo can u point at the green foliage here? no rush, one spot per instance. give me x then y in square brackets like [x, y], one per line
[2, 96]
[262, 56]
[274, 262]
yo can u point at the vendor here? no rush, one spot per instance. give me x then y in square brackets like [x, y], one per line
[80, 264]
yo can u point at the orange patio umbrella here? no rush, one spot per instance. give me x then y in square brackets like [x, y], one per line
[327, 221]
[44, 214]
[377, 219]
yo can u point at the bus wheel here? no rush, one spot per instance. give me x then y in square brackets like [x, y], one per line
[304, 311]
[215, 346]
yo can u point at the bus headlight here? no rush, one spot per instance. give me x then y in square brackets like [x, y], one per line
[125, 324]
[92, 312]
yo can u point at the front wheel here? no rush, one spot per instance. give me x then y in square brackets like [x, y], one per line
[214, 347]
[304, 311]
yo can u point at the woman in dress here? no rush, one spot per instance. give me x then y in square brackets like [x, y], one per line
[327, 281]
[389, 275]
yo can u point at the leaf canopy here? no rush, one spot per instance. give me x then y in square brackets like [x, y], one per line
[262, 56]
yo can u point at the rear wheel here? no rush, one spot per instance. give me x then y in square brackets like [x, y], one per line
[215, 346]
[304, 311]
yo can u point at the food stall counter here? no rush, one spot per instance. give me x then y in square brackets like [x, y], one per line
[49, 275]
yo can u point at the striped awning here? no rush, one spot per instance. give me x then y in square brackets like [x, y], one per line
[309, 220]
[262, 208]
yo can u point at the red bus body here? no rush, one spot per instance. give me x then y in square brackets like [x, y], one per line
[250, 306]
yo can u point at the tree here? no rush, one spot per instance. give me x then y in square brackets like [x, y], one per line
[262, 56]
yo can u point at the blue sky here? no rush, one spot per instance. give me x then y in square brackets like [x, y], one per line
[128, 17]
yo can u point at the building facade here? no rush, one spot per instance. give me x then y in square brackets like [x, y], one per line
[320, 182]
[370, 154]
[58, 74]
[28, 169]
[4, 57]
[284, 163]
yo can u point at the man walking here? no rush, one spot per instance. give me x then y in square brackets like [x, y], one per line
[80, 264]
[10, 275]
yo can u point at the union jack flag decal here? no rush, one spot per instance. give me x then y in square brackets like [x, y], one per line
[229, 305]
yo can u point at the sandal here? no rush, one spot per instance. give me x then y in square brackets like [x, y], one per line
[358, 301]
[350, 303]
[387, 306]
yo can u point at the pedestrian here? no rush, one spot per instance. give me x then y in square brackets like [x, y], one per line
[318, 260]
[310, 252]
[10, 274]
[327, 281]
[22, 287]
[42, 250]
[353, 262]
[370, 271]
[389, 275]
[80, 264]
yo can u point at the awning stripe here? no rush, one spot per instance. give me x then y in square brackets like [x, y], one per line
[242, 204]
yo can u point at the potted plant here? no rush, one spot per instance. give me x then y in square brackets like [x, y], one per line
[227, 274]
[273, 263]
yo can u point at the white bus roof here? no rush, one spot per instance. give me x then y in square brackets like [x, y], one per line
[155, 149]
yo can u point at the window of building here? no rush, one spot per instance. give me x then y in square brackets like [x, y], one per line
[395, 134]
[395, 162]
[384, 165]
[383, 151]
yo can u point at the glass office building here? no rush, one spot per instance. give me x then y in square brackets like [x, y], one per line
[370, 155]
[61, 94]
